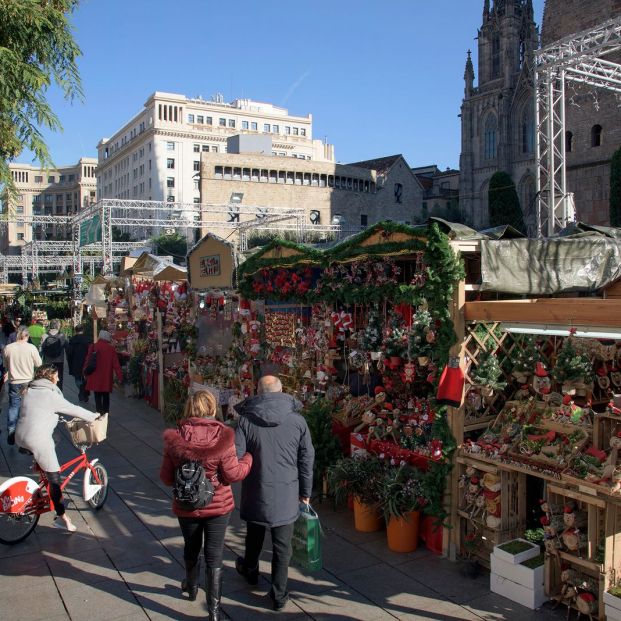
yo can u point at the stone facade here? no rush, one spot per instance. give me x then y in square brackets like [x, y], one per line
[497, 116]
[353, 195]
[61, 192]
[587, 109]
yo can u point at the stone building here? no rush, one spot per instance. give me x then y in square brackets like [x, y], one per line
[592, 116]
[497, 115]
[440, 192]
[353, 195]
[54, 192]
[156, 154]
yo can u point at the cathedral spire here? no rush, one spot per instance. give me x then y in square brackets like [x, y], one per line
[530, 13]
[469, 76]
[486, 10]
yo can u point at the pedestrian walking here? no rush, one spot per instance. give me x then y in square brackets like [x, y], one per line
[53, 349]
[201, 438]
[14, 326]
[100, 381]
[20, 361]
[36, 331]
[271, 429]
[77, 348]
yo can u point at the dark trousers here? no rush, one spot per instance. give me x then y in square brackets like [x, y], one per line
[212, 531]
[56, 494]
[281, 554]
[102, 402]
[60, 366]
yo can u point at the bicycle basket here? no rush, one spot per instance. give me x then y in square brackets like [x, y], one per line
[88, 433]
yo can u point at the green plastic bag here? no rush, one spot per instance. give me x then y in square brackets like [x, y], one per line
[306, 540]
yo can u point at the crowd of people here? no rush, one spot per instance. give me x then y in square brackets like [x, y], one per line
[270, 451]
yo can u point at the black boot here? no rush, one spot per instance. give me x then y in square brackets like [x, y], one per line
[190, 584]
[213, 586]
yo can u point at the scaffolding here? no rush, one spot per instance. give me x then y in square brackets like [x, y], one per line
[578, 59]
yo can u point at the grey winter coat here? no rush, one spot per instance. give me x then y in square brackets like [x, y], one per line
[38, 418]
[278, 439]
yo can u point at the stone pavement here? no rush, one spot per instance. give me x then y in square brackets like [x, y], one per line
[125, 562]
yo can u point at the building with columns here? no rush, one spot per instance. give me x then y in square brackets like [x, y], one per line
[156, 155]
[61, 191]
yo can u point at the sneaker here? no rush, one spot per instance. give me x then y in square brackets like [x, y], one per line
[278, 605]
[61, 524]
[251, 575]
[10, 439]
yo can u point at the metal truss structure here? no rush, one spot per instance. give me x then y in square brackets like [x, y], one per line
[146, 218]
[574, 59]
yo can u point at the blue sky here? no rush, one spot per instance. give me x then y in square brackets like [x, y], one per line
[379, 77]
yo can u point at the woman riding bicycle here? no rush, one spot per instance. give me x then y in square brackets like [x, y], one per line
[41, 404]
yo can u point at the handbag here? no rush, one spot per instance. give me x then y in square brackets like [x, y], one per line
[306, 541]
[91, 365]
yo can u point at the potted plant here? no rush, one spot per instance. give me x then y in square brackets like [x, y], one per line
[524, 357]
[402, 497]
[469, 563]
[612, 600]
[396, 340]
[488, 374]
[422, 337]
[360, 478]
[572, 369]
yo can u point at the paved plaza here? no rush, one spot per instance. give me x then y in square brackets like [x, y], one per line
[125, 562]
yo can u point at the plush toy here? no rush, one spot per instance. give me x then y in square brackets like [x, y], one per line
[541, 380]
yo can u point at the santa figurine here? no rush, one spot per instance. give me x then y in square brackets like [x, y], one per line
[541, 380]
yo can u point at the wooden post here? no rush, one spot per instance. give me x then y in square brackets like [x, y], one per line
[95, 331]
[160, 361]
[451, 540]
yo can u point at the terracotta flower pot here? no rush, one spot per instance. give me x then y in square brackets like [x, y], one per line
[402, 533]
[366, 517]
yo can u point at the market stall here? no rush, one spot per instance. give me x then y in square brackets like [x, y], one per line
[538, 468]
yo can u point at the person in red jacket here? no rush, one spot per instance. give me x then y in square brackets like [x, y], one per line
[200, 437]
[100, 380]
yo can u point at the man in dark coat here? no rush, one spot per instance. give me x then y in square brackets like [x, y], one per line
[76, 354]
[277, 436]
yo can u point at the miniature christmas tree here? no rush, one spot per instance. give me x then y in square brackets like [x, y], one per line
[525, 356]
[572, 366]
[488, 372]
[396, 339]
[372, 335]
[421, 336]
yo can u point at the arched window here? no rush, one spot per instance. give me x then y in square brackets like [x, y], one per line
[569, 137]
[491, 129]
[527, 128]
[596, 136]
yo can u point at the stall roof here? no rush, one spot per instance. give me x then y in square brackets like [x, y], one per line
[169, 271]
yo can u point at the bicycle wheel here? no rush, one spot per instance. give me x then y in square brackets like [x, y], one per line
[96, 501]
[15, 527]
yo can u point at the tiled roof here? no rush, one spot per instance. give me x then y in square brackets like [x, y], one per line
[381, 164]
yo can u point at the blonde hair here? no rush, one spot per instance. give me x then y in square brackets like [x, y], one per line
[201, 404]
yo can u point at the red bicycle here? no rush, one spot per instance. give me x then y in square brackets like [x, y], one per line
[23, 500]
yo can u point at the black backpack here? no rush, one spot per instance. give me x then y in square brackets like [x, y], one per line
[52, 347]
[192, 489]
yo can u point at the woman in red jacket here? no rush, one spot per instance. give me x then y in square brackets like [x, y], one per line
[200, 437]
[100, 380]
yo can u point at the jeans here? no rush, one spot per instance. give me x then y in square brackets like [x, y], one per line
[15, 402]
[281, 554]
[102, 402]
[212, 529]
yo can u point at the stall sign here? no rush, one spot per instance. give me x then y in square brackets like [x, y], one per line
[210, 265]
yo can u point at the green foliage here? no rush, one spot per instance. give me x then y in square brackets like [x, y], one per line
[536, 561]
[328, 451]
[175, 245]
[504, 204]
[360, 477]
[514, 547]
[372, 336]
[488, 372]
[175, 394]
[396, 342]
[571, 365]
[120, 236]
[534, 535]
[402, 491]
[525, 354]
[37, 49]
[615, 188]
